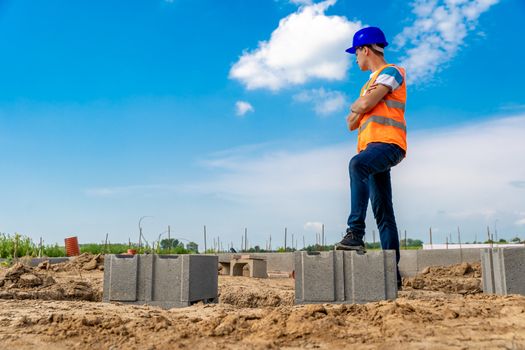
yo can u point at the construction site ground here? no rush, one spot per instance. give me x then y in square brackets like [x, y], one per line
[59, 307]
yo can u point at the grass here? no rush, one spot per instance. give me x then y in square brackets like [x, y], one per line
[18, 245]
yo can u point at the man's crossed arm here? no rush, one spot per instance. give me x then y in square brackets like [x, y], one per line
[363, 104]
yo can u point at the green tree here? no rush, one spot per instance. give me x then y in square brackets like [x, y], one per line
[192, 247]
[170, 243]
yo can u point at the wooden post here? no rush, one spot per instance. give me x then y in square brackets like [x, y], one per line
[460, 250]
[322, 238]
[16, 247]
[140, 238]
[205, 246]
[406, 244]
[285, 234]
[374, 236]
[169, 239]
[246, 239]
[430, 238]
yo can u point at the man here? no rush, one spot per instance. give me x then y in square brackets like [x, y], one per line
[378, 114]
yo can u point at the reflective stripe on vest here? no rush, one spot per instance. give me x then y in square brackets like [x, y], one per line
[383, 121]
[395, 104]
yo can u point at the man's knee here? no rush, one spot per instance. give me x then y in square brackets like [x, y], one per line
[356, 165]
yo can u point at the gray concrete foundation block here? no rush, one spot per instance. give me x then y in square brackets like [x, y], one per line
[426, 258]
[163, 280]
[283, 262]
[225, 268]
[487, 270]
[503, 270]
[248, 267]
[413, 262]
[408, 263]
[345, 277]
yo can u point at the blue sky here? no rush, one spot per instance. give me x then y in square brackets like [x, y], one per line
[232, 115]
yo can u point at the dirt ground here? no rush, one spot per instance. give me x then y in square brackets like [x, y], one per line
[443, 308]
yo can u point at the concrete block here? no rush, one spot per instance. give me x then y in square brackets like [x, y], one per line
[471, 255]
[121, 283]
[503, 270]
[163, 280]
[280, 261]
[437, 257]
[256, 267]
[408, 266]
[225, 268]
[413, 262]
[344, 277]
[283, 262]
[487, 271]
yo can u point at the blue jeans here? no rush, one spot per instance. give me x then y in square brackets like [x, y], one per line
[370, 179]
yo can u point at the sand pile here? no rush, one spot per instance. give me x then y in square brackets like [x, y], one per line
[255, 292]
[472, 321]
[22, 276]
[258, 314]
[24, 282]
[83, 262]
[462, 278]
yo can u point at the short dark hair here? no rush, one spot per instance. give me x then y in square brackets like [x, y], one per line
[379, 53]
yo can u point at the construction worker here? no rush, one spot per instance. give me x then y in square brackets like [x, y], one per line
[378, 115]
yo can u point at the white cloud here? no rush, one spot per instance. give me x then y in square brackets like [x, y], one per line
[243, 107]
[439, 30]
[306, 45]
[520, 222]
[301, 2]
[467, 176]
[325, 102]
[314, 226]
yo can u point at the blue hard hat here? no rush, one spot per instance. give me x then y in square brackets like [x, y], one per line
[368, 36]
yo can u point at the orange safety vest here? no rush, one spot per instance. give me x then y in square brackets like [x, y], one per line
[386, 121]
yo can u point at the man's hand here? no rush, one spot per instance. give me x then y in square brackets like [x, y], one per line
[352, 120]
[373, 95]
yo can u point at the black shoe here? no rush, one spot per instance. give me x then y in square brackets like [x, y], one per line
[351, 242]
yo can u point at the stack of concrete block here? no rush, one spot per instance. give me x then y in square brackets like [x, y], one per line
[254, 266]
[345, 277]
[503, 270]
[163, 280]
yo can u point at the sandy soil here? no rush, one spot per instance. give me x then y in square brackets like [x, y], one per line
[259, 314]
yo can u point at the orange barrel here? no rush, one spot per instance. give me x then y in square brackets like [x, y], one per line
[72, 248]
[132, 251]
